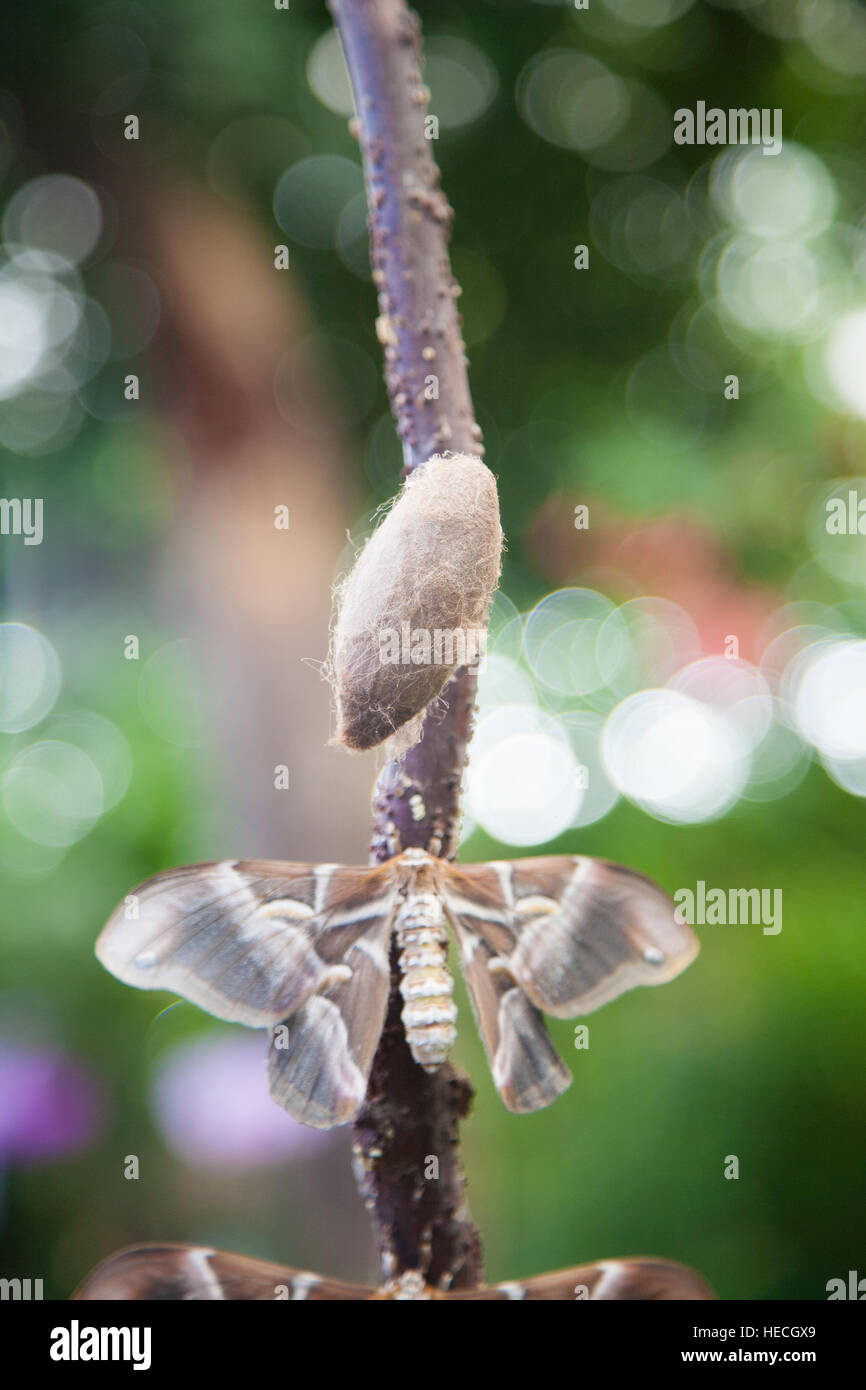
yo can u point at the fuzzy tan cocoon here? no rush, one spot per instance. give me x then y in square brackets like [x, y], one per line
[432, 566]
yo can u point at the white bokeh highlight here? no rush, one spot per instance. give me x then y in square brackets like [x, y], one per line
[30, 677]
[828, 690]
[522, 783]
[674, 756]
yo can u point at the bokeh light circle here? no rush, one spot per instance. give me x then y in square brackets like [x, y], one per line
[844, 356]
[828, 689]
[674, 756]
[562, 637]
[30, 677]
[311, 195]
[52, 793]
[55, 212]
[522, 785]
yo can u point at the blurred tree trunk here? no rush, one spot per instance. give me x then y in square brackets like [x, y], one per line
[256, 597]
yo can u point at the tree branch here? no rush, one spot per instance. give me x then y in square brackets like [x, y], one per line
[410, 1117]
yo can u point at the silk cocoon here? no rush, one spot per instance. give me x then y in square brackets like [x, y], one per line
[427, 572]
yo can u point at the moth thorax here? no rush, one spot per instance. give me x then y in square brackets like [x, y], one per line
[429, 1012]
[410, 1287]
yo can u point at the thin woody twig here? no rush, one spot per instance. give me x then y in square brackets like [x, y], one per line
[410, 1118]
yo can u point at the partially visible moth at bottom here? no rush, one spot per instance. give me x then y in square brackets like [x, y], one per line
[189, 1273]
[304, 951]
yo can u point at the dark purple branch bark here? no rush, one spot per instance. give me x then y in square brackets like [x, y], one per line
[409, 1117]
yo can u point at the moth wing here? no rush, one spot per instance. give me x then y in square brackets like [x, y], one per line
[190, 1273]
[187, 1273]
[526, 1067]
[298, 948]
[582, 931]
[249, 941]
[319, 1060]
[643, 1280]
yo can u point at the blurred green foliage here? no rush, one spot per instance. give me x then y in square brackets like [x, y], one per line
[759, 1049]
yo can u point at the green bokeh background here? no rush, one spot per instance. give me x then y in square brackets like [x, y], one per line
[759, 1049]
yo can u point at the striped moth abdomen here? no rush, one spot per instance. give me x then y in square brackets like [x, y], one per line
[429, 1012]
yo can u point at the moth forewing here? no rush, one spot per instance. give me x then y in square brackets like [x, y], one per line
[631, 1280]
[300, 949]
[234, 937]
[587, 931]
[190, 1273]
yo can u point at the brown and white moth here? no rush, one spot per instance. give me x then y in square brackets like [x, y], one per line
[189, 1273]
[304, 950]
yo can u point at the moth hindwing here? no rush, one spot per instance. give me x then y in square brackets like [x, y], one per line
[304, 951]
[189, 1273]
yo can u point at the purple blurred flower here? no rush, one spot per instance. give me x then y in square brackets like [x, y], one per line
[49, 1104]
[211, 1102]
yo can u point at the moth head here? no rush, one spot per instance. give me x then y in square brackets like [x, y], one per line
[414, 855]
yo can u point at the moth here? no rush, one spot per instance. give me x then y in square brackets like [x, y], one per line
[189, 1273]
[305, 951]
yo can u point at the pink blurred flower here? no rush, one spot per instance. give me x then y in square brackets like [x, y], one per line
[211, 1103]
[50, 1105]
[675, 557]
